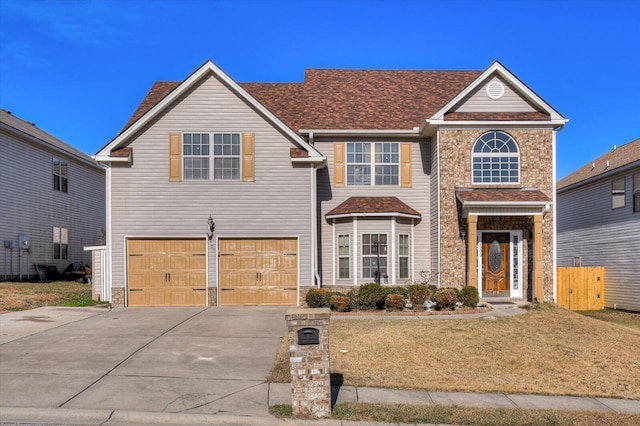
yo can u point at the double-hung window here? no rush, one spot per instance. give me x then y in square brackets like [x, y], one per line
[60, 170]
[403, 256]
[343, 256]
[60, 243]
[384, 164]
[617, 193]
[226, 156]
[195, 151]
[374, 255]
[198, 161]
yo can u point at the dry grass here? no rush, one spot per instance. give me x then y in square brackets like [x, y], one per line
[23, 296]
[548, 351]
[439, 414]
[624, 318]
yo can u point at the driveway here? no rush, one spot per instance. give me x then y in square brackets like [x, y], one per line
[156, 360]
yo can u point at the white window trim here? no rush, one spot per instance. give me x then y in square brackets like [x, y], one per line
[362, 255]
[372, 164]
[211, 156]
[495, 155]
[348, 256]
[407, 256]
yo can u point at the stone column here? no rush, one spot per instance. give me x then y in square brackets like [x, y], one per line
[308, 331]
[472, 253]
[538, 269]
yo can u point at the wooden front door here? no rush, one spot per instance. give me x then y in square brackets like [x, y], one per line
[495, 264]
[258, 271]
[167, 272]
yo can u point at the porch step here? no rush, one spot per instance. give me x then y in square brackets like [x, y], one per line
[505, 303]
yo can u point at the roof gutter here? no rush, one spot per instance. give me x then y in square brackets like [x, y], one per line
[404, 133]
[390, 214]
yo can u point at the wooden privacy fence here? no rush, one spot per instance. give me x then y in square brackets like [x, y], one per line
[581, 289]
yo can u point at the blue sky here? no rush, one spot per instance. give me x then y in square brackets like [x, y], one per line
[78, 69]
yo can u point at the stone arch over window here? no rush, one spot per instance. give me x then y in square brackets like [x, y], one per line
[496, 159]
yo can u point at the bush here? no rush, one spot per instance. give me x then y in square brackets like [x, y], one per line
[445, 299]
[371, 297]
[468, 296]
[340, 303]
[354, 303]
[314, 297]
[433, 294]
[394, 302]
[325, 301]
[418, 294]
[395, 290]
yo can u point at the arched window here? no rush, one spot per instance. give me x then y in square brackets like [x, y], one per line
[496, 159]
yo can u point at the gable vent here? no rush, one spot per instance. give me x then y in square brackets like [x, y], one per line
[495, 90]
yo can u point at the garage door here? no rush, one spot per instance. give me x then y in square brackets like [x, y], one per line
[258, 271]
[167, 272]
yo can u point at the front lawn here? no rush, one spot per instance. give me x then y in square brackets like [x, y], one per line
[549, 351]
[16, 296]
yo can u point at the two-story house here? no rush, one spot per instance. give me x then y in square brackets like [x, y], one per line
[599, 222]
[224, 193]
[52, 200]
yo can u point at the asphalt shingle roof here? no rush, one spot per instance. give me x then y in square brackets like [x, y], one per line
[353, 205]
[618, 157]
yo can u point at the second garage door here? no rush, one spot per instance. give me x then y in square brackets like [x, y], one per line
[258, 271]
[167, 272]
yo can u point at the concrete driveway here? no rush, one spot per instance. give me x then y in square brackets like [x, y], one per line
[155, 360]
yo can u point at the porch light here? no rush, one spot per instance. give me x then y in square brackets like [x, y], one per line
[212, 226]
[463, 232]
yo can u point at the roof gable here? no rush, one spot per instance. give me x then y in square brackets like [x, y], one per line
[530, 101]
[609, 162]
[163, 94]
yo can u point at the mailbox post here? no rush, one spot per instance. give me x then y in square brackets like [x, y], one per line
[308, 331]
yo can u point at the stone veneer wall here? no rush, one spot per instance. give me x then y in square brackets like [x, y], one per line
[536, 170]
[212, 292]
[117, 297]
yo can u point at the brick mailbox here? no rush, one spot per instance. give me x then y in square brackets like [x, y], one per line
[308, 331]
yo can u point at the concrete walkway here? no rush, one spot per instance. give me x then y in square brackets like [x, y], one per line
[142, 366]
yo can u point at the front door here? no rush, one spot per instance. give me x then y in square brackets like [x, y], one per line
[495, 264]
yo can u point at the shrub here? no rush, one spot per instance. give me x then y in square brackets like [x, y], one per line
[340, 303]
[314, 297]
[418, 294]
[395, 290]
[468, 296]
[433, 294]
[371, 297]
[446, 299]
[325, 301]
[394, 302]
[354, 303]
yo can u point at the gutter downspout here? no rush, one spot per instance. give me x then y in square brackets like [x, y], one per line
[314, 226]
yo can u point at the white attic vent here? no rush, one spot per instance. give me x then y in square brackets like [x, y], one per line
[495, 90]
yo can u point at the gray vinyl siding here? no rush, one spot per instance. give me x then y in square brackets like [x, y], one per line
[145, 204]
[478, 101]
[590, 229]
[30, 206]
[417, 197]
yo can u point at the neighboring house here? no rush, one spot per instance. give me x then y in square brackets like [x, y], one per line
[53, 200]
[599, 222]
[349, 177]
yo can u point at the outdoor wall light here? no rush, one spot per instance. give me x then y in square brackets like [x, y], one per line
[463, 233]
[212, 227]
